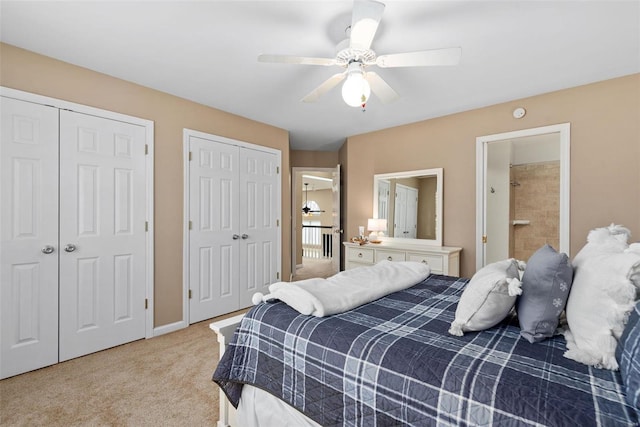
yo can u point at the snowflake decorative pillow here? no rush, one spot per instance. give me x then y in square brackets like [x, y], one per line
[545, 288]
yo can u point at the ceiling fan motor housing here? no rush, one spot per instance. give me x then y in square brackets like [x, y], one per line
[346, 55]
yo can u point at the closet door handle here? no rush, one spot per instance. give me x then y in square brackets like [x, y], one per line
[47, 249]
[236, 237]
[69, 247]
[245, 236]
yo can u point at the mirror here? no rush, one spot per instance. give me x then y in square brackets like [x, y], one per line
[411, 202]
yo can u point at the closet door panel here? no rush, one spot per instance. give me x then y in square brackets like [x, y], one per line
[102, 233]
[258, 214]
[28, 237]
[214, 236]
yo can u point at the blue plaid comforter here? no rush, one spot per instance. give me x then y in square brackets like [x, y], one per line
[391, 363]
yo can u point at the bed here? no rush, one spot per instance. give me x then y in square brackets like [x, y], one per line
[391, 362]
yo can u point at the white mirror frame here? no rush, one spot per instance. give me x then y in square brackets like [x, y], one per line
[564, 129]
[438, 173]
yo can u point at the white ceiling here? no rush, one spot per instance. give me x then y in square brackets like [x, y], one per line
[206, 51]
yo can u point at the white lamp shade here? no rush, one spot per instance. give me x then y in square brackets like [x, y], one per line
[376, 224]
[356, 90]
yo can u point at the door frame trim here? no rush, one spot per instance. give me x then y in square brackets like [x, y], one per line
[148, 125]
[186, 134]
[564, 231]
[295, 205]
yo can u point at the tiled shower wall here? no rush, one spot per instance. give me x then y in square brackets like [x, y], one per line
[535, 192]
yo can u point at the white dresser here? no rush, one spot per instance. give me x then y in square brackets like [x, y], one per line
[441, 259]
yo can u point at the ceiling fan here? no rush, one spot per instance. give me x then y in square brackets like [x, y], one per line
[306, 210]
[355, 55]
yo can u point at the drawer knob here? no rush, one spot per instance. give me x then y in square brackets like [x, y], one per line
[359, 254]
[424, 261]
[389, 258]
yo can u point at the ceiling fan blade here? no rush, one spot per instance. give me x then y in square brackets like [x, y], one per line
[380, 88]
[364, 23]
[448, 56]
[325, 87]
[289, 59]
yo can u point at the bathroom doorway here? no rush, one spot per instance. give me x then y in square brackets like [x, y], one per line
[522, 193]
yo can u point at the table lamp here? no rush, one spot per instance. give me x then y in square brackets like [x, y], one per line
[377, 227]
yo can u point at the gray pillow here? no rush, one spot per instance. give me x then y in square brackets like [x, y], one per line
[545, 288]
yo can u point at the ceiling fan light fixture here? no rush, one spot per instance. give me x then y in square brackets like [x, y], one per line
[355, 54]
[356, 89]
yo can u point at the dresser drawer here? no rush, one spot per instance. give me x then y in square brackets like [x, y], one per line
[389, 255]
[360, 254]
[434, 261]
[441, 259]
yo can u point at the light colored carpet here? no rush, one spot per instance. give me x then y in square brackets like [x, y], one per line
[162, 381]
[314, 267]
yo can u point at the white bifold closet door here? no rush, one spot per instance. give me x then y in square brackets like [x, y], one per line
[102, 233]
[73, 235]
[233, 241]
[28, 236]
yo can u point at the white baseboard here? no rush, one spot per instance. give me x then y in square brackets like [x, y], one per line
[171, 327]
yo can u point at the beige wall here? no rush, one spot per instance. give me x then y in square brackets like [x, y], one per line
[314, 159]
[605, 159]
[27, 71]
[427, 208]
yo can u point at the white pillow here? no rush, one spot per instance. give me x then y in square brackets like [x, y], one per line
[488, 297]
[601, 298]
[612, 239]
